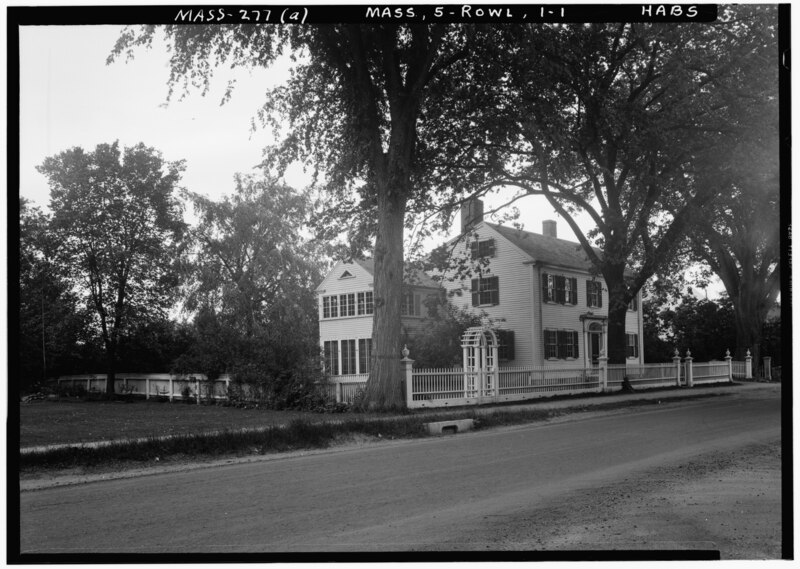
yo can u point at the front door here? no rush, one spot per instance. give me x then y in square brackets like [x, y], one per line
[595, 342]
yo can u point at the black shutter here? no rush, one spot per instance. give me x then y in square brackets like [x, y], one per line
[560, 289]
[490, 248]
[575, 345]
[476, 299]
[562, 343]
[474, 249]
[589, 287]
[599, 295]
[574, 291]
[495, 290]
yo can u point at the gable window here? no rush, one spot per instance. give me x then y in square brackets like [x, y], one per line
[347, 275]
[331, 357]
[594, 294]
[481, 249]
[365, 303]
[560, 344]
[632, 345]
[558, 288]
[485, 291]
[364, 354]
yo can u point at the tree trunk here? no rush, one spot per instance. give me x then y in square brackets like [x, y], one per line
[111, 370]
[617, 313]
[748, 337]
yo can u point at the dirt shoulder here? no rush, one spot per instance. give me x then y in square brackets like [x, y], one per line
[730, 502]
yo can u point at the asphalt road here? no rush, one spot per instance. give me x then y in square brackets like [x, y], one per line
[404, 495]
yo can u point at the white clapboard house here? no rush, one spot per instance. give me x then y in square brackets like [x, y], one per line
[538, 292]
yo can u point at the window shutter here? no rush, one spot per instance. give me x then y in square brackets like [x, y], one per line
[562, 343]
[476, 301]
[490, 248]
[495, 294]
[574, 345]
[574, 291]
[599, 295]
[589, 287]
[474, 249]
[560, 289]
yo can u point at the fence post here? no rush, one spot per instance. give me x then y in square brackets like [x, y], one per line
[730, 365]
[147, 387]
[602, 363]
[689, 373]
[198, 389]
[408, 366]
[337, 389]
[171, 390]
[748, 365]
[768, 368]
[676, 360]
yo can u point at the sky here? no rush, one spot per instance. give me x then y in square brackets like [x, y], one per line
[71, 97]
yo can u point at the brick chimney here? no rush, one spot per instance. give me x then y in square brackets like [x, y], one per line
[549, 228]
[471, 214]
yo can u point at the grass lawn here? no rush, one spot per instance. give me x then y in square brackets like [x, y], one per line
[69, 421]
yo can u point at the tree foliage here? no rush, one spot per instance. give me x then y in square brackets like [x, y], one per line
[52, 321]
[357, 106]
[119, 227]
[618, 120]
[250, 285]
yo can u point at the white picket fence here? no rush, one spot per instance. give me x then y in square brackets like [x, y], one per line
[153, 385]
[450, 387]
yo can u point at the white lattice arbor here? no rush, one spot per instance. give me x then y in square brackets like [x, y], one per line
[481, 374]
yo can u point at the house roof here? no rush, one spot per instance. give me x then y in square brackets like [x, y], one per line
[547, 250]
[417, 277]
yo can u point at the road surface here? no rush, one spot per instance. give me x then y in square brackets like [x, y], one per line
[452, 492]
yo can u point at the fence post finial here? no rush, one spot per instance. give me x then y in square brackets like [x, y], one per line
[405, 352]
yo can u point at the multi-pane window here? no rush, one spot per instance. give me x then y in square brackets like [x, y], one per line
[347, 304]
[365, 303]
[343, 305]
[410, 305]
[348, 357]
[558, 288]
[632, 345]
[331, 355]
[560, 344]
[633, 304]
[594, 294]
[481, 249]
[485, 291]
[364, 354]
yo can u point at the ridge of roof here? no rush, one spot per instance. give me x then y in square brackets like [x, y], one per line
[422, 278]
[548, 250]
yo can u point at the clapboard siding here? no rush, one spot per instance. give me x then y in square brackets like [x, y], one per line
[514, 311]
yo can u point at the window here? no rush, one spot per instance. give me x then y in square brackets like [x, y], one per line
[348, 357]
[594, 294]
[331, 357]
[481, 249]
[560, 344]
[347, 275]
[632, 345]
[505, 346]
[365, 303]
[347, 304]
[326, 306]
[558, 288]
[364, 354]
[485, 291]
[410, 305]
[633, 304]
